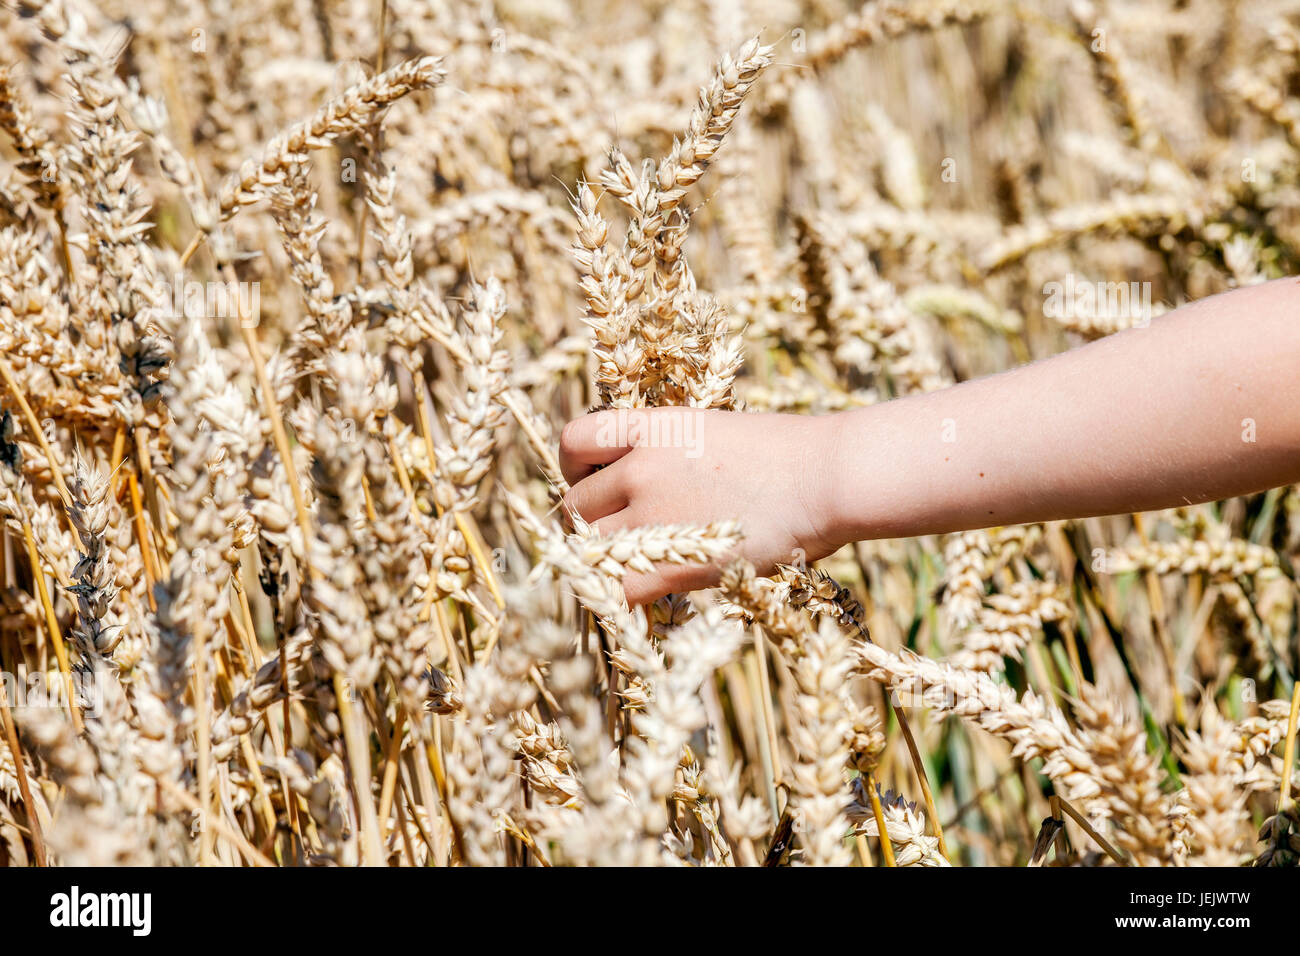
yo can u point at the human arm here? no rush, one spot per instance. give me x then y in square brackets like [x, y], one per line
[1202, 404]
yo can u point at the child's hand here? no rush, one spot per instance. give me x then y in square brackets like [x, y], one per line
[772, 473]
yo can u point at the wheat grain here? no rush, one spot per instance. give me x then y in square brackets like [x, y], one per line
[308, 549]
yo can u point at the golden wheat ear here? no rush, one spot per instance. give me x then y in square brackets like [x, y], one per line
[297, 298]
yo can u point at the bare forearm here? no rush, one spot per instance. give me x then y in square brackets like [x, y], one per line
[1202, 404]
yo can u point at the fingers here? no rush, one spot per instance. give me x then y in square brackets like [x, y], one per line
[603, 497]
[618, 521]
[598, 495]
[595, 439]
[643, 587]
[666, 579]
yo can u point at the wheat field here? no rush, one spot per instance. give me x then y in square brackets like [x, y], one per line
[297, 295]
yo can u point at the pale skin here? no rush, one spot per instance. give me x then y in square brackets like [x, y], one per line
[1202, 404]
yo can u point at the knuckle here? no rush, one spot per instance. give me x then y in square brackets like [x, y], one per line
[633, 477]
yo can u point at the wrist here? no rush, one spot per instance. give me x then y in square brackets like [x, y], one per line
[835, 500]
[867, 495]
